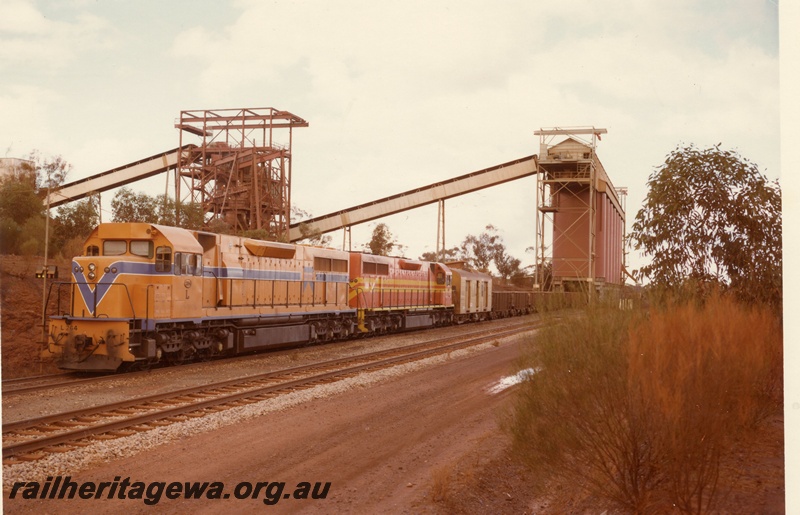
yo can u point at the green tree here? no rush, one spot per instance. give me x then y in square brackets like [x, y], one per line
[507, 265]
[75, 221]
[710, 217]
[190, 215]
[129, 206]
[18, 204]
[311, 235]
[22, 219]
[18, 201]
[10, 233]
[450, 254]
[383, 242]
[479, 251]
[50, 172]
[219, 226]
[31, 241]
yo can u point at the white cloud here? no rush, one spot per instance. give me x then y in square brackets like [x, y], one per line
[25, 113]
[35, 42]
[399, 95]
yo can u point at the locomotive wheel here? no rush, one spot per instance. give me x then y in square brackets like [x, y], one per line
[180, 356]
[175, 358]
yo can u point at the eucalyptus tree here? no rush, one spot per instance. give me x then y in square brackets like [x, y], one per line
[711, 217]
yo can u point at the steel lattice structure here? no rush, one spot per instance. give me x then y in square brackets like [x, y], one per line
[238, 172]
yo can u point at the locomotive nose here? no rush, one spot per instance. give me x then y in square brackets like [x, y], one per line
[92, 270]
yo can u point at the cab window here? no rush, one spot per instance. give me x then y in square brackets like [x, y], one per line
[92, 250]
[179, 264]
[163, 259]
[188, 264]
[114, 247]
[142, 248]
[198, 264]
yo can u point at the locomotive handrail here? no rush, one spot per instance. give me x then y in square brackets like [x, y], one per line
[146, 321]
[58, 293]
[216, 285]
[94, 297]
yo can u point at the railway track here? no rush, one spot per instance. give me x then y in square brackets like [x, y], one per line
[46, 382]
[32, 384]
[32, 439]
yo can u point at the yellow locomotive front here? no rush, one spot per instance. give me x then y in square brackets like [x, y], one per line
[115, 290]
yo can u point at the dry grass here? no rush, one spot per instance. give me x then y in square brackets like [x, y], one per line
[707, 376]
[638, 408]
[442, 483]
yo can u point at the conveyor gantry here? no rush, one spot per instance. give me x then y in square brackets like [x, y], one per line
[116, 177]
[418, 197]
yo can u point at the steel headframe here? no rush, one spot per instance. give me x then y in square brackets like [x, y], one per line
[238, 172]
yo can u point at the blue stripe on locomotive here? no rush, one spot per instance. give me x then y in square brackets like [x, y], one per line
[102, 286]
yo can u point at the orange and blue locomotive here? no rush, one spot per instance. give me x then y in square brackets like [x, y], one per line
[144, 293]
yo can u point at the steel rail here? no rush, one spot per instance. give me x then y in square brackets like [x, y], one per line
[320, 372]
[149, 371]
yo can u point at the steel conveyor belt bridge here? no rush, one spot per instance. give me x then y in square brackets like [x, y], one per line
[418, 197]
[116, 177]
[439, 191]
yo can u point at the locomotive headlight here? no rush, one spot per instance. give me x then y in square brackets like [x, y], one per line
[76, 269]
[106, 270]
[113, 270]
[92, 267]
[91, 276]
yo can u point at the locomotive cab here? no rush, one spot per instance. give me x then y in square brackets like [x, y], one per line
[130, 275]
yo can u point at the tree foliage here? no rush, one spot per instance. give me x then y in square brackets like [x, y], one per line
[710, 217]
[129, 206]
[451, 254]
[383, 242]
[311, 235]
[48, 172]
[19, 201]
[75, 221]
[507, 266]
[488, 247]
[479, 251]
[22, 213]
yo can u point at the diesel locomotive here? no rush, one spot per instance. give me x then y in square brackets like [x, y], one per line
[144, 293]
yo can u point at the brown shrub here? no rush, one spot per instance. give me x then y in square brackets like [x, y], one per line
[706, 376]
[639, 408]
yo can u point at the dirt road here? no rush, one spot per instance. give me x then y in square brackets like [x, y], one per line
[389, 447]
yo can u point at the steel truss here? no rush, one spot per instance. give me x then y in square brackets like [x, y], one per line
[238, 173]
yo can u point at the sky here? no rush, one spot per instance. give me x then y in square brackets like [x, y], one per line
[397, 95]
[403, 94]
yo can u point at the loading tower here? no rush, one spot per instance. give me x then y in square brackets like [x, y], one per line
[240, 170]
[580, 220]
